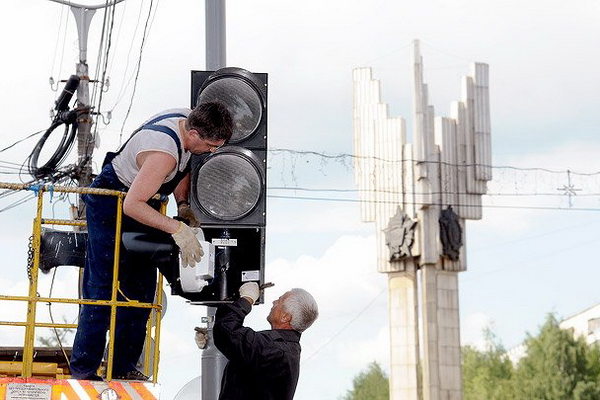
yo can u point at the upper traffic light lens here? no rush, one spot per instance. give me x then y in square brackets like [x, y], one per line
[241, 99]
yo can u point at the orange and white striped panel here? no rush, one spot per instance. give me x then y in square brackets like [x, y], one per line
[72, 389]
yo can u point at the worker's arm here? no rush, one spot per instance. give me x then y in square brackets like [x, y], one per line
[231, 338]
[155, 166]
[182, 190]
[184, 210]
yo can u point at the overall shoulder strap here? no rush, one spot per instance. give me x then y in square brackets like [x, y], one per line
[151, 126]
[161, 117]
[168, 131]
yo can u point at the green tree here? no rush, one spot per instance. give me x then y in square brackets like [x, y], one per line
[370, 384]
[558, 366]
[486, 374]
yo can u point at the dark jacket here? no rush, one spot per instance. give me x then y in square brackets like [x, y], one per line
[262, 365]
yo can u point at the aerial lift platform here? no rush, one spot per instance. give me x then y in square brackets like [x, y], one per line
[42, 373]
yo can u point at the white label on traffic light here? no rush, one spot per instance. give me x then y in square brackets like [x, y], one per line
[224, 242]
[248, 276]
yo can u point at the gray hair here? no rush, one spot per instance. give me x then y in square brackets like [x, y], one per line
[302, 307]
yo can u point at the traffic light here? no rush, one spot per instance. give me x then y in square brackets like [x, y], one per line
[228, 187]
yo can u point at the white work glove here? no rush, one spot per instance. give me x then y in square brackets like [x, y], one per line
[251, 291]
[185, 212]
[201, 337]
[191, 251]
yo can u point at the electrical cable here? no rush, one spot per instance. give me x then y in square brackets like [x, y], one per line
[18, 203]
[103, 56]
[123, 88]
[21, 140]
[69, 119]
[139, 65]
[448, 193]
[509, 207]
[119, 30]
[342, 156]
[63, 116]
[58, 339]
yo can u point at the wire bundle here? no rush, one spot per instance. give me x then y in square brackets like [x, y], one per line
[63, 116]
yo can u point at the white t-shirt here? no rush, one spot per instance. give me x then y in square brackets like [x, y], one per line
[125, 164]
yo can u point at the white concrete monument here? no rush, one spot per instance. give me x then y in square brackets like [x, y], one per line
[419, 195]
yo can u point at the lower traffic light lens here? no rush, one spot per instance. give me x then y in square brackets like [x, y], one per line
[228, 185]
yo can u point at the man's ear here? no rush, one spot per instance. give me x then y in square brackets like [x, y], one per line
[286, 318]
[193, 132]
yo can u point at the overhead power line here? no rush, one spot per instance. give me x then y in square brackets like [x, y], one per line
[138, 66]
[513, 207]
[346, 156]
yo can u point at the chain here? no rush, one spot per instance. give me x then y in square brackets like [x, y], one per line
[30, 258]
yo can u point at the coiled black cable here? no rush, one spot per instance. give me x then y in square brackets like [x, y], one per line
[69, 119]
[63, 116]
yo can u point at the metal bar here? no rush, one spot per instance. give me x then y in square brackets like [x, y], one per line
[158, 311]
[62, 189]
[31, 301]
[70, 222]
[115, 285]
[39, 324]
[147, 346]
[120, 303]
[96, 7]
[69, 189]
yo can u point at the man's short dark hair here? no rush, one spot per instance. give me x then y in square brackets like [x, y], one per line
[212, 120]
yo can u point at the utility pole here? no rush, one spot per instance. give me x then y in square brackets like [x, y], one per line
[420, 195]
[85, 141]
[213, 361]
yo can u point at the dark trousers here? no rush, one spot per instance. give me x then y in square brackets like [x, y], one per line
[137, 280]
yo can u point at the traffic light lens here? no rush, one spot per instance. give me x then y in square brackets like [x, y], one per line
[228, 186]
[242, 101]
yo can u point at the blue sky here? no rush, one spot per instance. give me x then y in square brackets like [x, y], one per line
[530, 254]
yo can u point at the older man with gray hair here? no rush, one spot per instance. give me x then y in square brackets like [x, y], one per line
[263, 365]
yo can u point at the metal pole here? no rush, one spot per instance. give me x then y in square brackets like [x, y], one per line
[213, 362]
[85, 141]
[215, 34]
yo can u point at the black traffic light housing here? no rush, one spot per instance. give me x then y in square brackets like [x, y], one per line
[228, 187]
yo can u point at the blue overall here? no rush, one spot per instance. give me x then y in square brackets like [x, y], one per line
[137, 277]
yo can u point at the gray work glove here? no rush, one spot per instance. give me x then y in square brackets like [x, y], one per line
[191, 251]
[185, 212]
[201, 337]
[251, 291]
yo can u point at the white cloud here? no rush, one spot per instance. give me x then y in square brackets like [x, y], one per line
[358, 352]
[316, 217]
[348, 266]
[472, 328]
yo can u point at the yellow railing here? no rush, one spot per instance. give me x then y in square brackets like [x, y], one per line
[33, 297]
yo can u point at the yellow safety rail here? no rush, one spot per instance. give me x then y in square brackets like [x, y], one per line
[33, 298]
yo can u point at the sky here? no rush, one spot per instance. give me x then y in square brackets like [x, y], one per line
[532, 253]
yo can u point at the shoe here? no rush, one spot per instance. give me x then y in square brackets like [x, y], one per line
[134, 375]
[92, 377]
